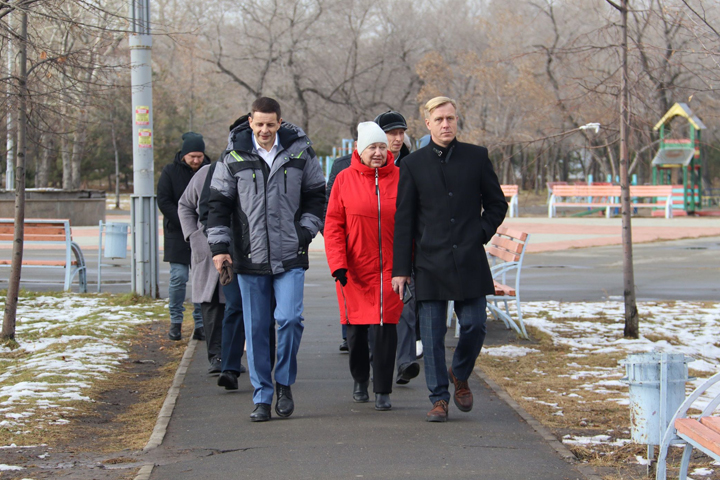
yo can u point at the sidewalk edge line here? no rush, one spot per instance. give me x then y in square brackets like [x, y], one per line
[158, 434]
[145, 472]
[587, 471]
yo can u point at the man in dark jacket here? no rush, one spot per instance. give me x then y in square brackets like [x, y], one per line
[173, 181]
[266, 198]
[449, 205]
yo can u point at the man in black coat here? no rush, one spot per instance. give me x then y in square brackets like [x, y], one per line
[173, 181]
[449, 205]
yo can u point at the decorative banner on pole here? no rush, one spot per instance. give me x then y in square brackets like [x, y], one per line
[145, 138]
[142, 115]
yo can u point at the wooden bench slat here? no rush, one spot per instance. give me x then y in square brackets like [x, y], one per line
[502, 254]
[33, 238]
[506, 244]
[698, 432]
[509, 190]
[45, 230]
[712, 423]
[511, 232]
[504, 290]
[48, 263]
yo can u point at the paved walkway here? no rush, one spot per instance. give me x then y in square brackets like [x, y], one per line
[328, 437]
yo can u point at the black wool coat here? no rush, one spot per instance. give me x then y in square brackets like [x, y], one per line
[174, 179]
[449, 205]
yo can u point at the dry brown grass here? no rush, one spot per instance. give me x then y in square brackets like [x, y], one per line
[540, 383]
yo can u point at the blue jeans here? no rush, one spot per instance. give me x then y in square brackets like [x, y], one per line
[433, 327]
[233, 330]
[257, 294]
[176, 295]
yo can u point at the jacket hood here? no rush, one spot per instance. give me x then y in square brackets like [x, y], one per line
[356, 164]
[240, 137]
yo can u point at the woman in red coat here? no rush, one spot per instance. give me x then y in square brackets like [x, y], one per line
[359, 228]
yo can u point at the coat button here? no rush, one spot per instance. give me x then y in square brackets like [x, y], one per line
[454, 246]
[450, 194]
[452, 220]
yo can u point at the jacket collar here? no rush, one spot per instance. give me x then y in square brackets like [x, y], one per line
[386, 169]
[291, 138]
[441, 152]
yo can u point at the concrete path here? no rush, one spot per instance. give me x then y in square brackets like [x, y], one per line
[210, 434]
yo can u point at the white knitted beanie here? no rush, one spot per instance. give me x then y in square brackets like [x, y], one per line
[369, 133]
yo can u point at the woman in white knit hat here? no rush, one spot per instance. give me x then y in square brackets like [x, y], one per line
[359, 228]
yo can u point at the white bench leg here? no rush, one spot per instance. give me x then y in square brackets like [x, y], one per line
[450, 311]
[685, 462]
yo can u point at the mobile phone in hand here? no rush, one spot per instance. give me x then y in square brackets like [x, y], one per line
[407, 293]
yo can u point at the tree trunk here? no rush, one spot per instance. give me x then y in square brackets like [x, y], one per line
[631, 313]
[47, 144]
[66, 165]
[10, 139]
[11, 302]
[536, 174]
[77, 153]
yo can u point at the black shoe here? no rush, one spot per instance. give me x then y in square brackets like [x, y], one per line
[175, 332]
[382, 401]
[344, 346]
[407, 372]
[199, 334]
[284, 406]
[360, 392]
[242, 369]
[215, 366]
[261, 413]
[229, 380]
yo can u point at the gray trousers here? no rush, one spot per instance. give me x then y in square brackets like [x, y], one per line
[406, 336]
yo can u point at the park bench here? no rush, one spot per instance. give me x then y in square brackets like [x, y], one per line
[49, 233]
[608, 197]
[505, 253]
[702, 432]
[512, 192]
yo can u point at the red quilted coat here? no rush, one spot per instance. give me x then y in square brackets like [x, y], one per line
[356, 239]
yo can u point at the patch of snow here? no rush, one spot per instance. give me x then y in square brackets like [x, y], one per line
[508, 351]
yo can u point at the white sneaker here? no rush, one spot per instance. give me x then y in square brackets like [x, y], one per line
[418, 349]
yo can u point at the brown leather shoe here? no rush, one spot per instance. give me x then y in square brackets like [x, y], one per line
[463, 396]
[439, 412]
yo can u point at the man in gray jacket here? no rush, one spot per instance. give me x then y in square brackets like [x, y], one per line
[267, 197]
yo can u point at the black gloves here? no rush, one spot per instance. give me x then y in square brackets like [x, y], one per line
[340, 276]
[226, 273]
[305, 236]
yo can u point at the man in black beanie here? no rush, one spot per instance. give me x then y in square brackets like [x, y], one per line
[173, 181]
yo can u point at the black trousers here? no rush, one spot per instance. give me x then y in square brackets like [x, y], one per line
[384, 341]
[213, 313]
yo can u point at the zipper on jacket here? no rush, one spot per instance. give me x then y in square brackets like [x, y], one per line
[285, 180]
[377, 192]
[255, 181]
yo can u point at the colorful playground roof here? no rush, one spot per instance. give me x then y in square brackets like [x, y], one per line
[673, 157]
[684, 111]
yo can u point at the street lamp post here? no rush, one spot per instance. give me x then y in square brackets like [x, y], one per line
[143, 207]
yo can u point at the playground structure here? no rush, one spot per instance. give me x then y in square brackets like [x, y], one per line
[678, 160]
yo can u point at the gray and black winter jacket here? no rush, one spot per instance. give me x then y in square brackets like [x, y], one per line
[269, 214]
